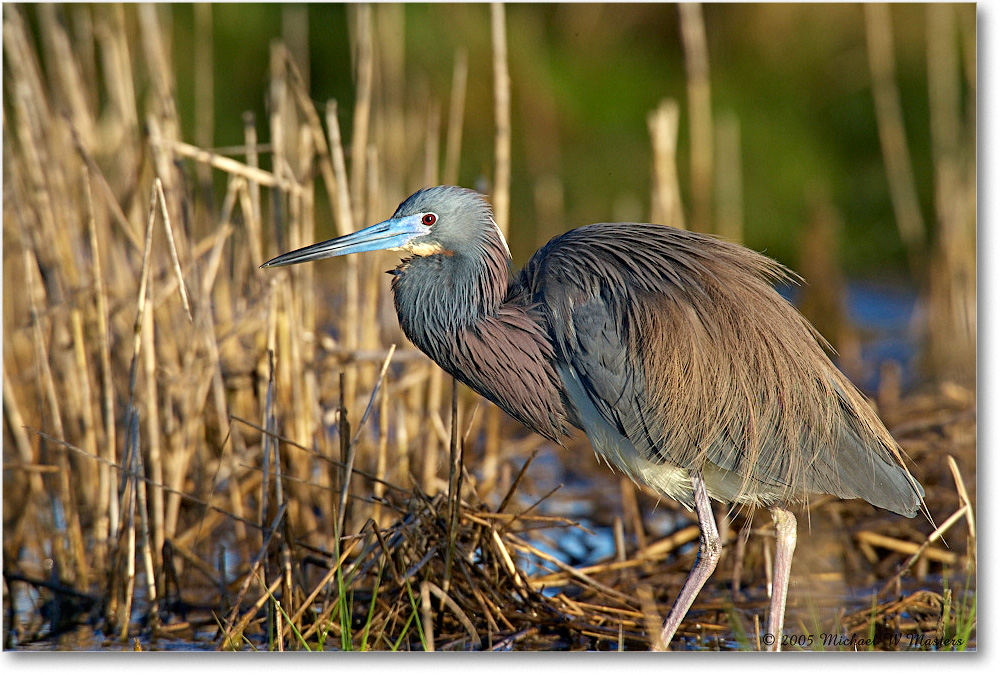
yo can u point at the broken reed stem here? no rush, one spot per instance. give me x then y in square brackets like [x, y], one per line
[892, 130]
[141, 298]
[68, 524]
[352, 447]
[158, 185]
[699, 93]
[344, 212]
[501, 112]
[729, 178]
[432, 143]
[287, 582]
[204, 108]
[12, 413]
[83, 405]
[149, 566]
[963, 497]
[666, 204]
[462, 617]
[107, 502]
[428, 475]
[491, 455]
[953, 267]
[378, 489]
[630, 511]
[944, 93]
[304, 348]
[267, 459]
[345, 225]
[344, 429]
[126, 555]
[110, 200]
[277, 95]
[204, 82]
[372, 279]
[306, 107]
[403, 468]
[229, 165]
[157, 59]
[454, 485]
[67, 72]
[153, 423]
[427, 615]
[364, 70]
[269, 424]
[922, 548]
[253, 215]
[456, 117]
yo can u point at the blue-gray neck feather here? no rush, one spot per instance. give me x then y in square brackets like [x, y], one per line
[456, 308]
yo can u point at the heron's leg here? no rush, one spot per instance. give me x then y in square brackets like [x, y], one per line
[784, 529]
[709, 550]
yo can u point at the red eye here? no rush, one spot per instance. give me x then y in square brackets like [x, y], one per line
[429, 219]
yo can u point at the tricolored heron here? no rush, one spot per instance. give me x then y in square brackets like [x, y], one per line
[670, 349]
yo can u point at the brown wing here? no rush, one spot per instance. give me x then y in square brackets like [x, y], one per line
[687, 350]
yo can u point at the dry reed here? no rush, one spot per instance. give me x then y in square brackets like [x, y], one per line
[179, 460]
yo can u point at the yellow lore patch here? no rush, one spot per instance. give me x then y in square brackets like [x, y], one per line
[427, 249]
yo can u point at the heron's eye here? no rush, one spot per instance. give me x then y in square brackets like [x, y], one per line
[429, 219]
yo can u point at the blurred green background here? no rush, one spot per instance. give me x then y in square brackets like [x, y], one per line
[584, 78]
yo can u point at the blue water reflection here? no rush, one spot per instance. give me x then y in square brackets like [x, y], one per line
[884, 316]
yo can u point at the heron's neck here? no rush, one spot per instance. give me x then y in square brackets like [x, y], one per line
[449, 291]
[457, 310]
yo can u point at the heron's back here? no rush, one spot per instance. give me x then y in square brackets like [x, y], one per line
[679, 343]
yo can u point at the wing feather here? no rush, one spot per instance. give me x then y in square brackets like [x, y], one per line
[684, 347]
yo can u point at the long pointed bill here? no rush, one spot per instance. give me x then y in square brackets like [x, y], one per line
[389, 234]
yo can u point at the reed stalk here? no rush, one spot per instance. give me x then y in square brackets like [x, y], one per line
[171, 411]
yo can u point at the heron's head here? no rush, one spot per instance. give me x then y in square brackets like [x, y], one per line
[443, 220]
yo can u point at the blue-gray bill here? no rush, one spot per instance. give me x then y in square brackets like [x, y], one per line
[390, 234]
